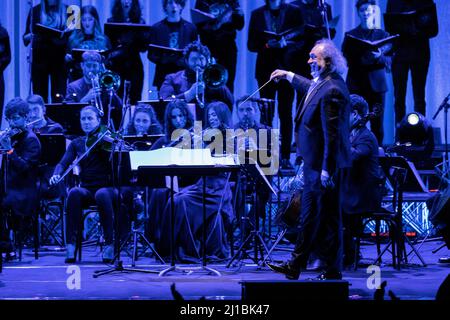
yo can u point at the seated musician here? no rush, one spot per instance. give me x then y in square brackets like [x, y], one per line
[144, 122]
[82, 89]
[184, 85]
[21, 196]
[188, 203]
[177, 116]
[362, 184]
[37, 112]
[247, 114]
[95, 187]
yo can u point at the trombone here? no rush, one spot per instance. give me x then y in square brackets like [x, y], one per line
[213, 76]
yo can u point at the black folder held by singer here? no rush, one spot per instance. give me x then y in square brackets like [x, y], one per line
[366, 45]
[114, 30]
[287, 34]
[51, 32]
[165, 50]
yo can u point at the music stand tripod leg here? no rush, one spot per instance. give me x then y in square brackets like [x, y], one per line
[280, 236]
[416, 252]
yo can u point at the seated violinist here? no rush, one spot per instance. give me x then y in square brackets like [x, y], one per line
[23, 150]
[95, 187]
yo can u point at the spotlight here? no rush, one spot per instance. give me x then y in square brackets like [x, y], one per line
[414, 137]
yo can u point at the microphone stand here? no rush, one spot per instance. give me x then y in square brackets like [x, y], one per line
[445, 106]
[323, 8]
[30, 57]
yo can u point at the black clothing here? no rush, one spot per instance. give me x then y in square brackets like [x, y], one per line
[5, 60]
[22, 174]
[222, 40]
[367, 76]
[312, 16]
[412, 53]
[172, 35]
[323, 142]
[125, 59]
[269, 59]
[48, 58]
[51, 127]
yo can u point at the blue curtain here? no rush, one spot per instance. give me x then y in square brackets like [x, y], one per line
[13, 16]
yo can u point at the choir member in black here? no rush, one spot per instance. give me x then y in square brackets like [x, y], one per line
[177, 116]
[313, 19]
[367, 69]
[277, 16]
[412, 53]
[220, 34]
[5, 60]
[362, 182]
[21, 196]
[48, 52]
[95, 186]
[125, 59]
[144, 122]
[183, 85]
[82, 89]
[188, 203]
[37, 112]
[172, 32]
[89, 37]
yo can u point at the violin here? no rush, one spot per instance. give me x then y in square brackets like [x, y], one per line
[103, 139]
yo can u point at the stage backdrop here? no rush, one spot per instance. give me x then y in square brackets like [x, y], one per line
[13, 14]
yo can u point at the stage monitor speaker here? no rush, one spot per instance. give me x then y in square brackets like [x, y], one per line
[284, 290]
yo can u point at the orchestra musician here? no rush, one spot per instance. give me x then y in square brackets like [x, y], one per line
[277, 16]
[184, 85]
[88, 37]
[37, 112]
[95, 186]
[48, 52]
[86, 90]
[219, 35]
[144, 122]
[21, 197]
[172, 32]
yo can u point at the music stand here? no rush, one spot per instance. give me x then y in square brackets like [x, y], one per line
[171, 162]
[397, 170]
[142, 143]
[254, 175]
[68, 115]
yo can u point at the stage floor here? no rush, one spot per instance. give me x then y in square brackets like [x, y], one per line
[47, 278]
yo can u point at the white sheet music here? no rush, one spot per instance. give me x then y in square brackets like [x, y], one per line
[171, 156]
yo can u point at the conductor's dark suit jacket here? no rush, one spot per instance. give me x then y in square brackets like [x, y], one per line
[362, 183]
[322, 123]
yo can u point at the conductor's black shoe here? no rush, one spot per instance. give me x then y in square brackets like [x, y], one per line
[284, 268]
[444, 260]
[329, 276]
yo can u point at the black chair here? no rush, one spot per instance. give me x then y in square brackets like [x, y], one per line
[79, 240]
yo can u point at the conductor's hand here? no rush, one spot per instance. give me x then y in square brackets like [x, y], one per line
[54, 179]
[278, 75]
[326, 181]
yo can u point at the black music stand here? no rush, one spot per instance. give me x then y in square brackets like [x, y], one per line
[398, 170]
[146, 175]
[119, 179]
[142, 143]
[253, 175]
[53, 147]
[68, 115]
